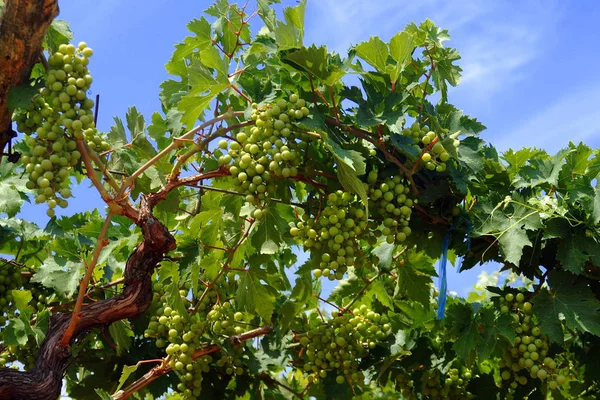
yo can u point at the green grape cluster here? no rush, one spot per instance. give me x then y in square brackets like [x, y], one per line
[333, 238]
[390, 202]
[336, 345]
[271, 148]
[24, 354]
[57, 117]
[10, 279]
[529, 358]
[416, 132]
[434, 385]
[436, 156]
[183, 336]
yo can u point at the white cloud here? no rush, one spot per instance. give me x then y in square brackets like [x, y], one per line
[496, 39]
[573, 117]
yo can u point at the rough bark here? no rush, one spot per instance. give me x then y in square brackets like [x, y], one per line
[23, 25]
[44, 381]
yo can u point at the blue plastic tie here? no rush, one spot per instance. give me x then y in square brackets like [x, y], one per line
[442, 272]
[442, 268]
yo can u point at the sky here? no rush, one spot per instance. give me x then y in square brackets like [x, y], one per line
[529, 67]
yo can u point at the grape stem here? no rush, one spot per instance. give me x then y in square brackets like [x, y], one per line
[129, 182]
[226, 264]
[328, 302]
[425, 150]
[165, 367]
[221, 132]
[83, 285]
[362, 291]
[265, 377]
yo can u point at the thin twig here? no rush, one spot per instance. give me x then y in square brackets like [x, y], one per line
[100, 243]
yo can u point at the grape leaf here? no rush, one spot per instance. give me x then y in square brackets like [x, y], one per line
[541, 171]
[64, 279]
[16, 332]
[596, 214]
[103, 394]
[375, 52]
[58, 33]
[127, 371]
[22, 299]
[122, 335]
[401, 48]
[267, 236]
[407, 146]
[570, 298]
[202, 39]
[384, 251]
[21, 96]
[267, 14]
[12, 188]
[253, 296]
[378, 290]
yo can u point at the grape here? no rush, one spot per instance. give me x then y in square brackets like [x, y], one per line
[180, 336]
[334, 237]
[53, 122]
[529, 355]
[337, 344]
[269, 150]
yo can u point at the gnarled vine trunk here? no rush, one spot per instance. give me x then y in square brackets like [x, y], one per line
[44, 381]
[23, 24]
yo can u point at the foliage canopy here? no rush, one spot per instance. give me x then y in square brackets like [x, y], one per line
[294, 178]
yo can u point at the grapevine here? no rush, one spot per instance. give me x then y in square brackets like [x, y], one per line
[285, 225]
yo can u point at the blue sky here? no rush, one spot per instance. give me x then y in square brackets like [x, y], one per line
[529, 67]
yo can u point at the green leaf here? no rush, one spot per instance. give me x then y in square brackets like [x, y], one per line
[413, 284]
[58, 33]
[570, 298]
[407, 146]
[21, 96]
[16, 332]
[122, 335]
[351, 164]
[202, 30]
[464, 327]
[384, 251]
[375, 52]
[64, 279]
[596, 214]
[309, 59]
[11, 188]
[267, 236]
[541, 171]
[253, 296]
[127, 371]
[103, 394]
[22, 299]
[267, 13]
[401, 48]
[295, 17]
[378, 290]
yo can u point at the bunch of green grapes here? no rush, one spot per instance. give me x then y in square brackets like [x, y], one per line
[435, 157]
[390, 204]
[435, 386]
[24, 354]
[529, 358]
[57, 117]
[10, 279]
[333, 239]
[416, 132]
[336, 345]
[182, 336]
[271, 148]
